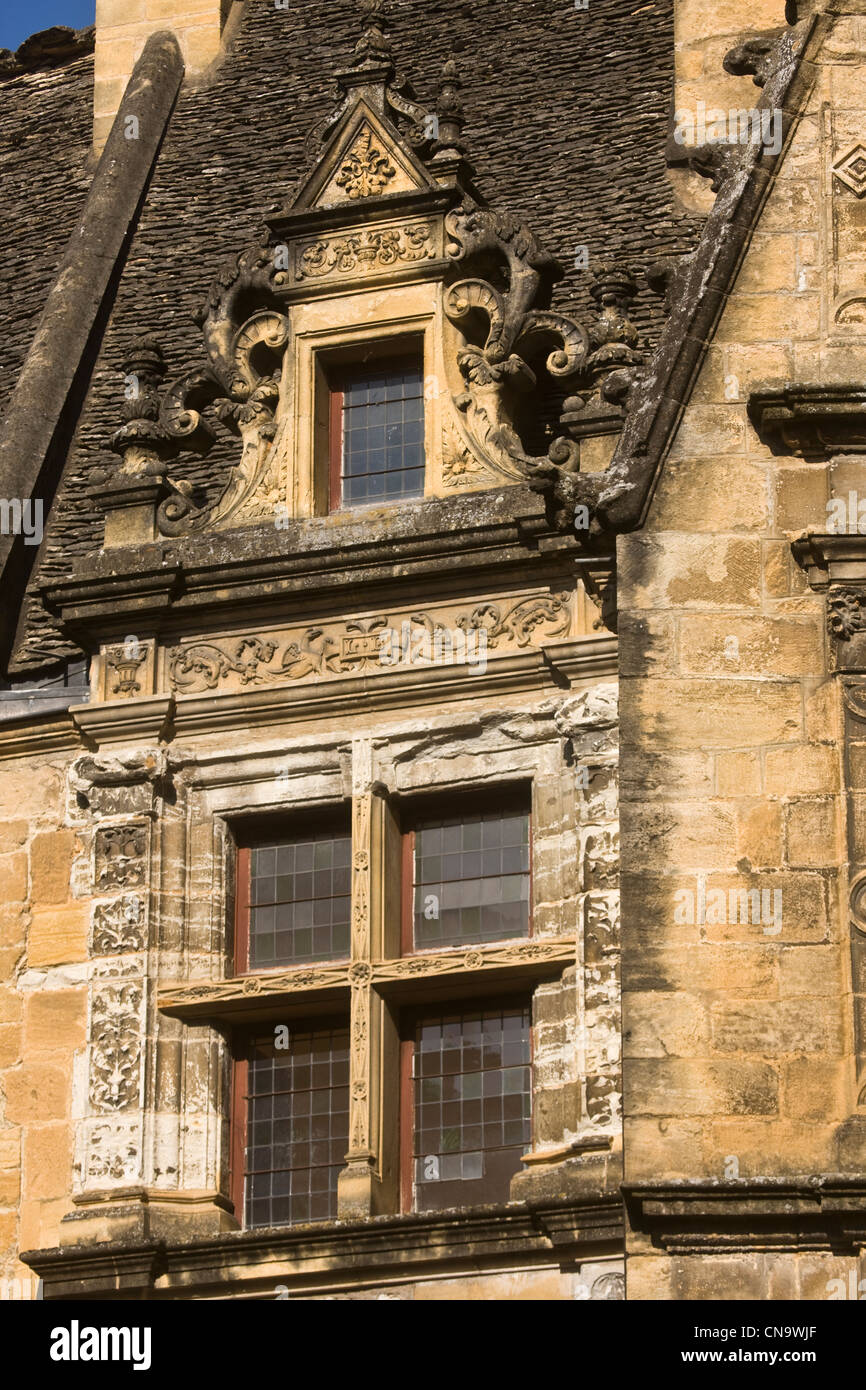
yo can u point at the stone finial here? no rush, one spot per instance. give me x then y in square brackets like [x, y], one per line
[613, 358]
[373, 48]
[613, 290]
[450, 115]
[141, 440]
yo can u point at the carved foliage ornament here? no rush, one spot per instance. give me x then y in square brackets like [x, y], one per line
[119, 926]
[846, 613]
[120, 856]
[114, 1153]
[366, 169]
[365, 250]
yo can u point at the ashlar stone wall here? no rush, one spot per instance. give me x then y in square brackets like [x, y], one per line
[738, 1035]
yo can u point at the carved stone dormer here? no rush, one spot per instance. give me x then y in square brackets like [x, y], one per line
[386, 246]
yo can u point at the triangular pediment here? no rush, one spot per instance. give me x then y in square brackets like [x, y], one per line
[365, 158]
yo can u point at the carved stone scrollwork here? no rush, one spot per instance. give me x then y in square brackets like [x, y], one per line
[366, 249]
[245, 336]
[512, 338]
[119, 926]
[351, 647]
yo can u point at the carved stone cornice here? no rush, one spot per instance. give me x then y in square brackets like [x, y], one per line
[147, 720]
[811, 421]
[504, 535]
[699, 1218]
[395, 1247]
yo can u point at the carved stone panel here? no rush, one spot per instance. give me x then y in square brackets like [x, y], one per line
[115, 1047]
[374, 643]
[365, 251]
[118, 926]
[120, 856]
[114, 1151]
[845, 223]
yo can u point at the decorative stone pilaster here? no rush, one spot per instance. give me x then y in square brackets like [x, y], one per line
[836, 565]
[130, 1183]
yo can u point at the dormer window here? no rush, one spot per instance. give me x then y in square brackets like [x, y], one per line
[377, 431]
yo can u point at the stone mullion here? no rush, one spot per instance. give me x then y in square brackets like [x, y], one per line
[359, 1179]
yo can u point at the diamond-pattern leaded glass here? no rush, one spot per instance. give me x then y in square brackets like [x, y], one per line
[299, 900]
[383, 435]
[471, 879]
[471, 1080]
[297, 1127]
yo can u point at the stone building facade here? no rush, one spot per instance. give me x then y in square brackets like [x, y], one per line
[431, 855]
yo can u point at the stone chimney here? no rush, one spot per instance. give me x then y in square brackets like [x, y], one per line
[122, 29]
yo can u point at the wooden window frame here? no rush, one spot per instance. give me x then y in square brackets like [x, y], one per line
[335, 448]
[522, 997]
[239, 1124]
[516, 796]
[246, 838]
[381, 355]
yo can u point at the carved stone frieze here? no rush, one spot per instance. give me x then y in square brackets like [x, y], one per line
[222, 992]
[115, 1047]
[520, 953]
[363, 645]
[120, 856]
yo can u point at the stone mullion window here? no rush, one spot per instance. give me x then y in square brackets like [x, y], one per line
[384, 981]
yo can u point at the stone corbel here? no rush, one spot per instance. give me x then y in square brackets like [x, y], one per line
[813, 422]
[835, 564]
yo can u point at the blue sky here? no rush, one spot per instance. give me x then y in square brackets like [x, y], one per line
[21, 18]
